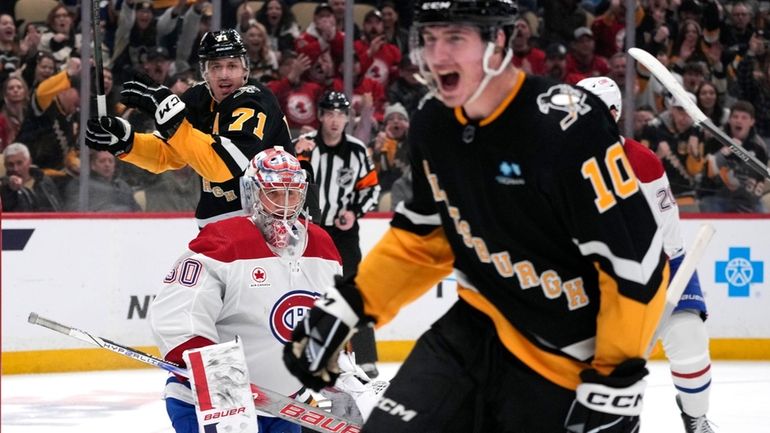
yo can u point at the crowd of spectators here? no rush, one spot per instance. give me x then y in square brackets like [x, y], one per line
[718, 48]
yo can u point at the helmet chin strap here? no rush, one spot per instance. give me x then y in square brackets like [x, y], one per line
[490, 73]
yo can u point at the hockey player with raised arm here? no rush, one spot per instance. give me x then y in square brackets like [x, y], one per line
[251, 276]
[521, 186]
[216, 126]
[684, 335]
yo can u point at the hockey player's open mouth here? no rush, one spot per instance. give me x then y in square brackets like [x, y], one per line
[449, 81]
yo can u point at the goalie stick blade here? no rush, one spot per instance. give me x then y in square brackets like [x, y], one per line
[666, 78]
[267, 401]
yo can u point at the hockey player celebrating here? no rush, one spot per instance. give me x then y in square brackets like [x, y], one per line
[251, 276]
[522, 187]
[684, 335]
[216, 127]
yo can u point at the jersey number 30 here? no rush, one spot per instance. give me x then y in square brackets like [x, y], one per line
[623, 181]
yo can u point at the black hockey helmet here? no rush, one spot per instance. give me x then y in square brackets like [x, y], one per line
[334, 101]
[488, 15]
[221, 44]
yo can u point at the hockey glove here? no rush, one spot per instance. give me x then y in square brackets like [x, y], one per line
[155, 100]
[317, 341]
[609, 404]
[113, 134]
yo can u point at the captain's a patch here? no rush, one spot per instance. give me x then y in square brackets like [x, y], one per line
[563, 97]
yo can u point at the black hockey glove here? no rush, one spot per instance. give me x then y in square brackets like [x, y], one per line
[609, 404]
[110, 133]
[156, 101]
[317, 341]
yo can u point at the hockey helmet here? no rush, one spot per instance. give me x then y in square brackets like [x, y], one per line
[273, 189]
[606, 89]
[334, 101]
[221, 44]
[488, 15]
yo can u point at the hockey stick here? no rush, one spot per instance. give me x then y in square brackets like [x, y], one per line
[682, 277]
[265, 400]
[101, 98]
[669, 82]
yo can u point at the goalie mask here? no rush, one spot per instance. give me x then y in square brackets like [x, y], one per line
[489, 16]
[273, 189]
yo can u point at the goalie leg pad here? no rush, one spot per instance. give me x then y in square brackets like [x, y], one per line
[221, 387]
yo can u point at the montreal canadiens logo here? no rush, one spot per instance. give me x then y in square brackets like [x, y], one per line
[288, 311]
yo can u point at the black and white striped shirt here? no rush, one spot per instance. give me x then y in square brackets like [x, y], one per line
[345, 176]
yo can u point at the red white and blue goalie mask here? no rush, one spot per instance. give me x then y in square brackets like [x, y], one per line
[273, 189]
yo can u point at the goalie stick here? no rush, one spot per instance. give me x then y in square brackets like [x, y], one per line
[265, 400]
[672, 85]
[682, 277]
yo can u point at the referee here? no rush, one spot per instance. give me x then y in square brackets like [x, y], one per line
[347, 189]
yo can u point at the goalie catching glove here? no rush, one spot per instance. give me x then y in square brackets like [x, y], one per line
[155, 100]
[317, 341]
[609, 404]
[109, 133]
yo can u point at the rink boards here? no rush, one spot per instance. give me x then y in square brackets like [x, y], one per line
[100, 274]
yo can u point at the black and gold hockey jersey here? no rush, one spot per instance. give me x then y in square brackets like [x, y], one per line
[217, 141]
[537, 210]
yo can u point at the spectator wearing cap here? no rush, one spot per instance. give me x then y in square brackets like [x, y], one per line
[390, 152]
[556, 64]
[325, 32]
[49, 129]
[379, 58]
[156, 63]
[406, 90]
[60, 38]
[582, 59]
[561, 18]
[338, 8]
[735, 186]
[281, 26]
[395, 33]
[525, 56]
[680, 146]
[307, 77]
[25, 188]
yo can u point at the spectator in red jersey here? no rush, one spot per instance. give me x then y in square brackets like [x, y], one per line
[379, 58]
[363, 85]
[325, 32]
[525, 56]
[609, 28]
[307, 77]
[338, 9]
[582, 59]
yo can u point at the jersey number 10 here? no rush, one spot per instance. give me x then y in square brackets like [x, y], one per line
[623, 181]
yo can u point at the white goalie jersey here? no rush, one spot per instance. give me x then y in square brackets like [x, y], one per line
[230, 283]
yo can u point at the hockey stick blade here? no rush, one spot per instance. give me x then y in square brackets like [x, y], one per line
[684, 273]
[672, 85]
[265, 400]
